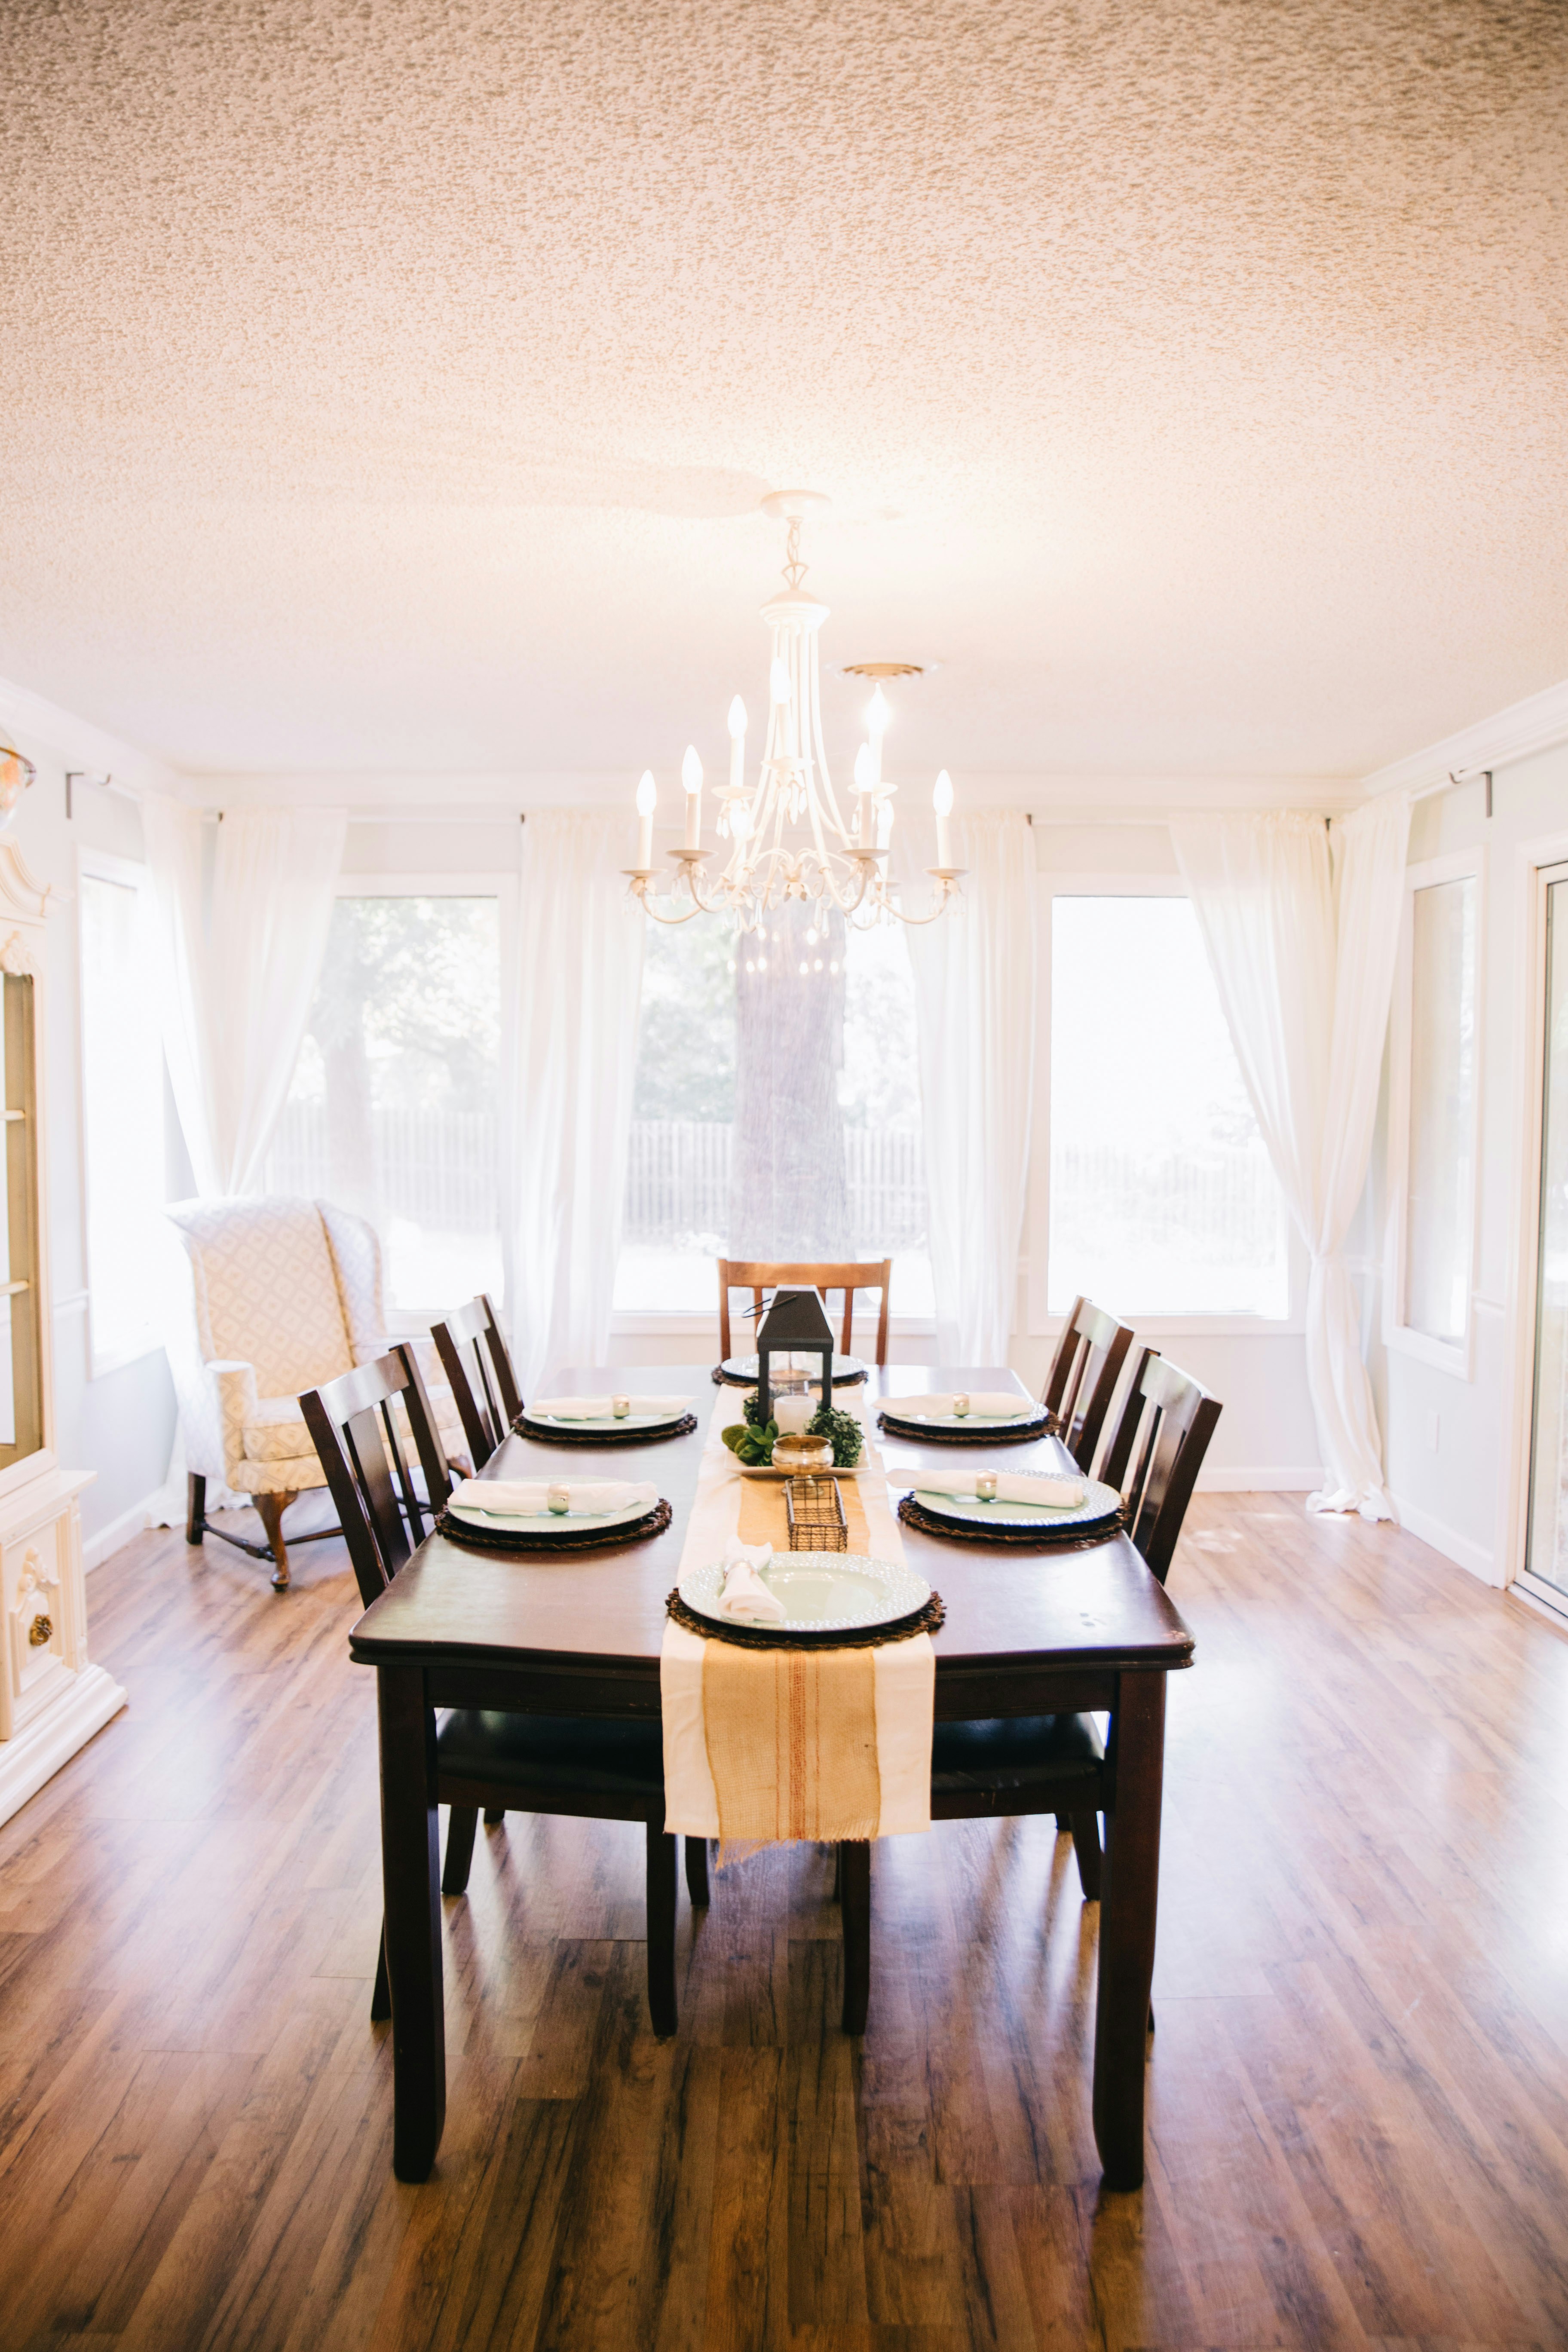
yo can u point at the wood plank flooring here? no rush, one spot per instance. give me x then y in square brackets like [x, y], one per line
[1358, 2088]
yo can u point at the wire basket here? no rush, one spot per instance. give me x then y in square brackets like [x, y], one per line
[815, 1510]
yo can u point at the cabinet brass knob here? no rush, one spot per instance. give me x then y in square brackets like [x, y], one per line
[39, 1631]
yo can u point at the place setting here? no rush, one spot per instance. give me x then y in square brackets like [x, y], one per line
[1037, 1510]
[615, 1419]
[966, 1417]
[549, 1515]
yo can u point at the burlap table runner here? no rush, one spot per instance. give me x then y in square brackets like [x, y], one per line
[762, 1746]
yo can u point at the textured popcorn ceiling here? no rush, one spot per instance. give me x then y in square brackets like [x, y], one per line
[392, 384]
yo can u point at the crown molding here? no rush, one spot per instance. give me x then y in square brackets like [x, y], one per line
[1533, 725]
[80, 745]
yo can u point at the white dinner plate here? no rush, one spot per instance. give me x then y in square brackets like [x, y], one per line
[747, 1368]
[978, 1421]
[549, 1523]
[1099, 1501]
[821, 1591]
[605, 1420]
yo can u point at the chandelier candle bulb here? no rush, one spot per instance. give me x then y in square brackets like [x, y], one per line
[647, 801]
[737, 746]
[942, 801]
[691, 777]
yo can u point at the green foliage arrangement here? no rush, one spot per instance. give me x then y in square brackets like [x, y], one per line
[751, 1441]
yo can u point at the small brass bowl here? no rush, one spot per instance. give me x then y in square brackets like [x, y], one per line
[797, 1453]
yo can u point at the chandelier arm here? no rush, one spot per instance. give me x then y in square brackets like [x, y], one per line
[830, 796]
[949, 890]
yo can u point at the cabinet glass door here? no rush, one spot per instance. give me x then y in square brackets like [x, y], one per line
[1547, 1552]
[21, 1384]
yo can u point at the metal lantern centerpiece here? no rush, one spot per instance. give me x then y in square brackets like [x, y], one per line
[795, 1319]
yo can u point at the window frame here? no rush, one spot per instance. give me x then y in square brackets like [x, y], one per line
[1454, 1357]
[1041, 1322]
[686, 1323]
[414, 1322]
[125, 873]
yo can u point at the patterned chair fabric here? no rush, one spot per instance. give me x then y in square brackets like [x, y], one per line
[284, 1294]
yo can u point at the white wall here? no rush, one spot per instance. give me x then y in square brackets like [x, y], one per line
[120, 1426]
[1456, 1492]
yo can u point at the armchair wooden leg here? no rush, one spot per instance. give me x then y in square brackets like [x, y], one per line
[494, 1813]
[1085, 1845]
[460, 1832]
[381, 1994]
[269, 1510]
[661, 1930]
[696, 1870]
[855, 1883]
[196, 1507]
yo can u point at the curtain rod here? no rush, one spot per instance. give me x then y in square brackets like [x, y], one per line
[1450, 783]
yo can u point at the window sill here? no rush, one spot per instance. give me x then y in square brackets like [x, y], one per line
[672, 1324]
[116, 1361]
[1193, 1327]
[1454, 1357]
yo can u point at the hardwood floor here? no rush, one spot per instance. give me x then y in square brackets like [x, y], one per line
[1359, 2086]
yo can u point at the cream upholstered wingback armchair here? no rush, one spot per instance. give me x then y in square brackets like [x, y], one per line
[283, 1295]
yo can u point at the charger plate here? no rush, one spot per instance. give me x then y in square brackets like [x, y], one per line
[929, 1620]
[609, 1432]
[968, 1432]
[743, 1371]
[822, 1593]
[586, 1535]
[1076, 1538]
[1099, 1503]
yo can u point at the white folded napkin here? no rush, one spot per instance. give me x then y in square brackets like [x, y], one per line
[1012, 1485]
[995, 1406]
[524, 1497]
[601, 1408]
[745, 1597]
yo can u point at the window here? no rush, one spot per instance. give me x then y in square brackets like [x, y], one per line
[777, 1111]
[1162, 1200]
[123, 1110]
[393, 1111]
[1433, 1108]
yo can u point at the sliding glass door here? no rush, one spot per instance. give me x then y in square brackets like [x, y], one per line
[1547, 1542]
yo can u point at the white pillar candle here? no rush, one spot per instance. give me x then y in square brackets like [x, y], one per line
[737, 746]
[794, 1414]
[691, 777]
[647, 800]
[942, 801]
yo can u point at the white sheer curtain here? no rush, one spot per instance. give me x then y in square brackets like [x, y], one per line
[243, 921]
[578, 983]
[1301, 924]
[975, 1013]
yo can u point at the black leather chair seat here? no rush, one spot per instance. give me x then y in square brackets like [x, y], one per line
[589, 1758]
[1008, 1752]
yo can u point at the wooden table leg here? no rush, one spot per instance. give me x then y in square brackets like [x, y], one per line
[1128, 1905]
[855, 1883]
[410, 1866]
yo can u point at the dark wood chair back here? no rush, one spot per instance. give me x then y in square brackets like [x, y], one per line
[1156, 1451]
[1098, 1351]
[476, 1362]
[361, 1449]
[1062, 1363]
[756, 1275]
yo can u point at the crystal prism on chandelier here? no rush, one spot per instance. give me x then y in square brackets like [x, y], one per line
[787, 835]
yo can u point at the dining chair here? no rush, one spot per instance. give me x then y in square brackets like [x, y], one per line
[1061, 1364]
[1092, 1369]
[476, 1362]
[856, 1274]
[1056, 1763]
[486, 1759]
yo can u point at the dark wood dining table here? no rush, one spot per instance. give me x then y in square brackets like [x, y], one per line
[1026, 1633]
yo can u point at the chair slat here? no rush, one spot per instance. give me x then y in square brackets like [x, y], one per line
[848, 1275]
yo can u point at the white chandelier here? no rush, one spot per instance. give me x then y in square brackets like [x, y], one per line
[789, 837]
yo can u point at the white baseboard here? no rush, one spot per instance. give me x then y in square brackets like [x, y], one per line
[1461, 1549]
[97, 1548]
[1213, 1481]
[36, 1753]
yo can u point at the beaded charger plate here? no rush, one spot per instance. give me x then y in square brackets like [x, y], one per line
[742, 1371]
[603, 1433]
[967, 1432]
[580, 1537]
[822, 1593]
[1077, 1537]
